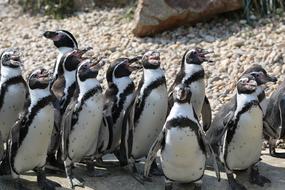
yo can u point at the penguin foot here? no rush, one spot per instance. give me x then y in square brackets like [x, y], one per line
[21, 186]
[236, 186]
[98, 173]
[147, 179]
[278, 155]
[168, 186]
[54, 165]
[197, 187]
[156, 172]
[48, 185]
[256, 178]
[76, 182]
[137, 177]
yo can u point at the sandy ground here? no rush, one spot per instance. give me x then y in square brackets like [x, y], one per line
[119, 179]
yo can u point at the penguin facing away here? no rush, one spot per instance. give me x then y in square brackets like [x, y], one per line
[150, 111]
[82, 119]
[182, 142]
[217, 126]
[242, 137]
[30, 136]
[192, 74]
[119, 96]
[13, 91]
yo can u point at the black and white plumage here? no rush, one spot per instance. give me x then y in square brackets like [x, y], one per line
[119, 96]
[240, 141]
[82, 119]
[30, 136]
[13, 91]
[217, 126]
[149, 110]
[192, 74]
[182, 142]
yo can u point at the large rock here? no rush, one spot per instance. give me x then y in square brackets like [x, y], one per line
[153, 16]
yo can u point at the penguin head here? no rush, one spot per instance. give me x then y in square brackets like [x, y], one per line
[61, 38]
[121, 67]
[10, 58]
[88, 69]
[39, 79]
[195, 56]
[72, 59]
[260, 74]
[246, 84]
[151, 60]
[182, 94]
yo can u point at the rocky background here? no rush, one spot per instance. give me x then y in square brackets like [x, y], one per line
[235, 43]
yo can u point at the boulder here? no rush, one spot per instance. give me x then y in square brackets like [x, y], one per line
[153, 16]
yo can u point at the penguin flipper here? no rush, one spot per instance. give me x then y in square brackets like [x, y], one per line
[206, 114]
[1, 148]
[158, 144]
[66, 125]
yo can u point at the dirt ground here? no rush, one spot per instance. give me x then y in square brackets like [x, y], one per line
[119, 179]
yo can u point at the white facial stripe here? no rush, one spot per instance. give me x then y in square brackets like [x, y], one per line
[8, 72]
[242, 99]
[86, 85]
[151, 75]
[36, 95]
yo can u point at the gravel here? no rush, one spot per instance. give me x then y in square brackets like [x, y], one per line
[236, 44]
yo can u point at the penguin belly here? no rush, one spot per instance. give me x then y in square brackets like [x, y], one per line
[117, 127]
[246, 144]
[13, 104]
[84, 135]
[182, 158]
[198, 95]
[150, 122]
[33, 150]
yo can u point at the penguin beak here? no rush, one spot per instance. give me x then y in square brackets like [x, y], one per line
[54, 36]
[131, 61]
[251, 85]
[202, 55]
[264, 78]
[80, 52]
[98, 65]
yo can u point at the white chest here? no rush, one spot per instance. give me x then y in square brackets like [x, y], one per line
[13, 104]
[245, 147]
[33, 150]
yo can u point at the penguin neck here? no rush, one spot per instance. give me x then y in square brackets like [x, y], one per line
[69, 77]
[36, 95]
[86, 86]
[122, 83]
[243, 99]
[61, 52]
[191, 69]
[8, 73]
[182, 110]
[151, 75]
[259, 90]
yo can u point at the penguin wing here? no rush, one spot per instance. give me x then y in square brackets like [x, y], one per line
[1, 148]
[158, 144]
[127, 134]
[66, 126]
[206, 114]
[282, 117]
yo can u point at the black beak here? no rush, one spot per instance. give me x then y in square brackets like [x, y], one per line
[49, 34]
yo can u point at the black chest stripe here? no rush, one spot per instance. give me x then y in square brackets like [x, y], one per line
[141, 103]
[118, 107]
[261, 96]
[25, 125]
[231, 130]
[86, 96]
[66, 99]
[182, 122]
[195, 77]
[6, 84]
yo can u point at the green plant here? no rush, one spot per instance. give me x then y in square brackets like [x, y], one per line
[263, 7]
[56, 8]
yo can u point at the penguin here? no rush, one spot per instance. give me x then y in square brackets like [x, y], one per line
[192, 74]
[261, 77]
[274, 119]
[2, 151]
[182, 142]
[150, 111]
[65, 42]
[82, 119]
[69, 63]
[240, 141]
[31, 134]
[119, 97]
[13, 91]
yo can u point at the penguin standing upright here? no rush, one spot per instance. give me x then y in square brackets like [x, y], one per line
[217, 126]
[30, 136]
[150, 110]
[13, 91]
[182, 142]
[119, 96]
[242, 135]
[192, 74]
[82, 119]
